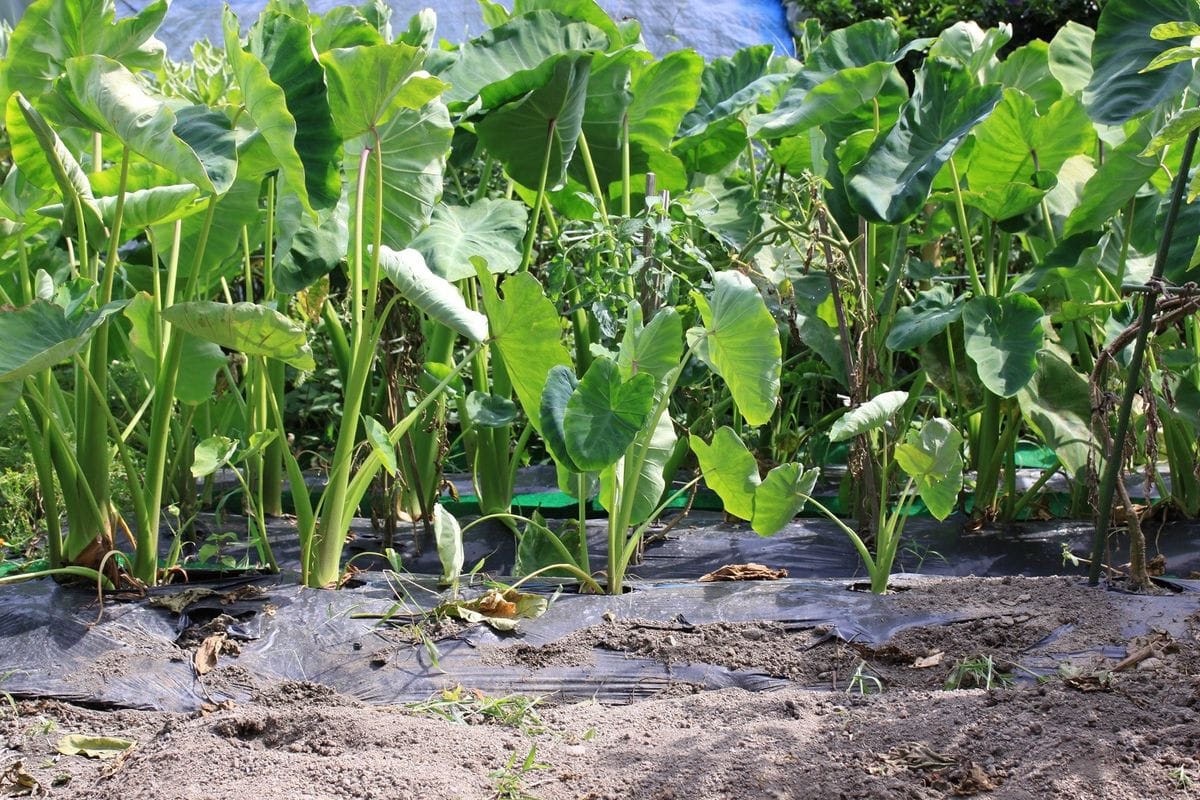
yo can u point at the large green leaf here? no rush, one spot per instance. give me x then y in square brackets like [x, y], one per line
[1003, 336]
[1057, 404]
[210, 136]
[1071, 56]
[204, 360]
[847, 70]
[891, 184]
[560, 385]
[741, 343]
[730, 85]
[916, 324]
[652, 478]
[583, 10]
[112, 100]
[307, 249]
[730, 470]
[971, 45]
[40, 336]
[781, 496]
[514, 58]
[604, 414]
[47, 163]
[1014, 144]
[663, 93]
[344, 27]
[650, 99]
[1122, 175]
[283, 44]
[143, 208]
[435, 296]
[872, 414]
[248, 328]
[528, 333]
[549, 118]
[859, 44]
[655, 348]
[488, 229]
[1123, 47]
[367, 84]
[412, 144]
[803, 108]
[1028, 69]
[266, 104]
[52, 31]
[932, 457]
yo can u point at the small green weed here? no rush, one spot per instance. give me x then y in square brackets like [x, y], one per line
[473, 707]
[1182, 779]
[979, 672]
[510, 779]
[863, 682]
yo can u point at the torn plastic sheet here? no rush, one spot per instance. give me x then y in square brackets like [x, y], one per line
[58, 643]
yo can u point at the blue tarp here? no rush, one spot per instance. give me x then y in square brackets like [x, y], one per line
[711, 27]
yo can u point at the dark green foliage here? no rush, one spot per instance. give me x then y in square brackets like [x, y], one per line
[1031, 19]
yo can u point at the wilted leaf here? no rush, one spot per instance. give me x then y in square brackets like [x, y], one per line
[744, 572]
[205, 659]
[78, 744]
[499, 610]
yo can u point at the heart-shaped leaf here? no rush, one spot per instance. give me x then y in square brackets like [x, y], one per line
[932, 457]
[741, 342]
[560, 384]
[528, 333]
[604, 415]
[730, 470]
[40, 336]
[491, 229]
[1003, 337]
[891, 184]
[547, 120]
[933, 310]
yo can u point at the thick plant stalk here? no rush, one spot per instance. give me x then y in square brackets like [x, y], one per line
[536, 217]
[1113, 459]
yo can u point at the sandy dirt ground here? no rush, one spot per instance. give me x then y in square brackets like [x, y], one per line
[1111, 715]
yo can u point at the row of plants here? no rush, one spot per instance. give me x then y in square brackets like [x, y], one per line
[549, 244]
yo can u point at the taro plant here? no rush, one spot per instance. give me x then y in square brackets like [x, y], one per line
[380, 115]
[925, 460]
[612, 427]
[71, 316]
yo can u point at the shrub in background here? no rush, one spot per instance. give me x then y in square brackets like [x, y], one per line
[1031, 19]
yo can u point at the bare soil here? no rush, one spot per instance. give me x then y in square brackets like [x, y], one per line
[1078, 707]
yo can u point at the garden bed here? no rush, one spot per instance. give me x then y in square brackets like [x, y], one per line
[749, 692]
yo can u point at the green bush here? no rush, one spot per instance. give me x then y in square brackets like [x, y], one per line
[1031, 19]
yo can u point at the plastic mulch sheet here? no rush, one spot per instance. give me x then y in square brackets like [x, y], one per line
[59, 643]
